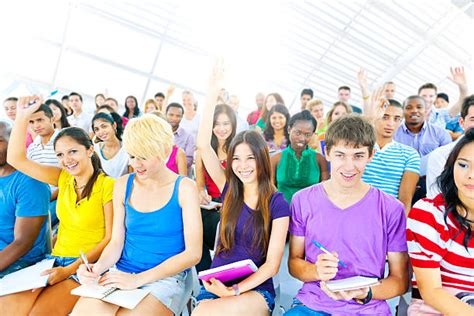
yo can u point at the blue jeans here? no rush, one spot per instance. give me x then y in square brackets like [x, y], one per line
[269, 298]
[298, 309]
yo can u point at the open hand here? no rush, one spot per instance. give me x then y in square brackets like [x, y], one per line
[458, 76]
[28, 105]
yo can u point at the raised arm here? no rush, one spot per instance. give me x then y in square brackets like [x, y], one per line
[458, 76]
[208, 156]
[364, 87]
[16, 154]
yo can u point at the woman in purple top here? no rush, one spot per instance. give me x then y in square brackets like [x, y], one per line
[254, 219]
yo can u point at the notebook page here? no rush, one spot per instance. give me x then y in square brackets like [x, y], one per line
[351, 283]
[26, 279]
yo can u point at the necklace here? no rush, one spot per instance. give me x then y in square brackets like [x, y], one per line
[78, 187]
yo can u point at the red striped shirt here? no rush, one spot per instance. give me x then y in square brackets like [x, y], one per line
[434, 244]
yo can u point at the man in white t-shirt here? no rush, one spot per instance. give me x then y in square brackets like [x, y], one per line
[191, 119]
[79, 118]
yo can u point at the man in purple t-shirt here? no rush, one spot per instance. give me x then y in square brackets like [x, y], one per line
[361, 225]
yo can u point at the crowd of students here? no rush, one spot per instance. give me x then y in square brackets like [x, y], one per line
[120, 189]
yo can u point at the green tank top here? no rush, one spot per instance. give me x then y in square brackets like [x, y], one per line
[293, 175]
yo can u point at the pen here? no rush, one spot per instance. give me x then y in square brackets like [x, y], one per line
[317, 244]
[49, 96]
[84, 259]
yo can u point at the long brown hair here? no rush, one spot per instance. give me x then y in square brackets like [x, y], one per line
[234, 198]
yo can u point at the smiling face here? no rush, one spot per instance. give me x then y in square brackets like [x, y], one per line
[464, 174]
[387, 125]
[277, 121]
[347, 164]
[244, 164]
[222, 127]
[72, 156]
[174, 116]
[104, 130]
[429, 95]
[99, 100]
[56, 112]
[188, 102]
[414, 113]
[300, 135]
[41, 124]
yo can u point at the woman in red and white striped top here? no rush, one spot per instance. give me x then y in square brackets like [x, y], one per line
[440, 239]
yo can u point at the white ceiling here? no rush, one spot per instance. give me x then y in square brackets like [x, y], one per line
[140, 47]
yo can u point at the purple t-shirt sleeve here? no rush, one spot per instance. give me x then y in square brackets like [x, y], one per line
[396, 228]
[279, 206]
[297, 222]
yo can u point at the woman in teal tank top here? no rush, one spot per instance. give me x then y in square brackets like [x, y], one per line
[299, 166]
[157, 229]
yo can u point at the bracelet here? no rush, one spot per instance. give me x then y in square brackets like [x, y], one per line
[236, 289]
[365, 97]
[365, 300]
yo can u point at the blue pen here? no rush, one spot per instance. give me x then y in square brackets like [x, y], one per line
[317, 244]
[49, 96]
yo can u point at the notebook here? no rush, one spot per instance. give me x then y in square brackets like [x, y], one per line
[26, 279]
[351, 283]
[212, 205]
[125, 298]
[229, 271]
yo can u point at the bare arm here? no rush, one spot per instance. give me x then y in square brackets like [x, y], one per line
[323, 167]
[26, 231]
[208, 156]
[181, 163]
[396, 283]
[297, 265]
[274, 254]
[16, 154]
[407, 189]
[275, 160]
[430, 286]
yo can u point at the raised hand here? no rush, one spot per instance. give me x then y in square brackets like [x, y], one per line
[362, 78]
[377, 104]
[216, 80]
[27, 105]
[458, 76]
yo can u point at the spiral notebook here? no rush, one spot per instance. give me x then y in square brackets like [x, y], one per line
[125, 298]
[26, 279]
[351, 283]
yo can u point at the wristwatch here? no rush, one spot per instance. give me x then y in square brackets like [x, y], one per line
[365, 300]
[236, 289]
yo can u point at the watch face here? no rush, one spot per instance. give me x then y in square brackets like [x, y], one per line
[466, 297]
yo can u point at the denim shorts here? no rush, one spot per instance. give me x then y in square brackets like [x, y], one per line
[171, 292]
[63, 262]
[269, 298]
[299, 309]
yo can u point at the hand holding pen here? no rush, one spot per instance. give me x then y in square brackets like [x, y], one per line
[327, 263]
[86, 273]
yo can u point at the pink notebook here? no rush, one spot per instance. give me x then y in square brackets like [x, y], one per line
[229, 271]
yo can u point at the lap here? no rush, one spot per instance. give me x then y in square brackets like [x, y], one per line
[18, 303]
[249, 303]
[47, 301]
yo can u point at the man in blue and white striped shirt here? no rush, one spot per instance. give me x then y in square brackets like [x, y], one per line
[395, 167]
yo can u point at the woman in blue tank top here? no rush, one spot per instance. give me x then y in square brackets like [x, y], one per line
[254, 219]
[157, 230]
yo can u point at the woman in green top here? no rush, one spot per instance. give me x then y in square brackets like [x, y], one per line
[298, 166]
